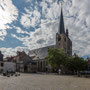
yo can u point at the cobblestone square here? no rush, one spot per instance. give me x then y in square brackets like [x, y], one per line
[44, 82]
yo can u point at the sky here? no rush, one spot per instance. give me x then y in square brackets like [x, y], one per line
[32, 24]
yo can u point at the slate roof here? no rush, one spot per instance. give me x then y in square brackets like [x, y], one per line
[40, 53]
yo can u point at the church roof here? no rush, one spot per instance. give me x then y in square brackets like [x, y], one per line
[61, 23]
[40, 53]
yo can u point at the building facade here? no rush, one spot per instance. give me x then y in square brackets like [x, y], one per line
[24, 63]
[62, 41]
[62, 37]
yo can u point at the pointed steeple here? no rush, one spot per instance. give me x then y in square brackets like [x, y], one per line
[61, 23]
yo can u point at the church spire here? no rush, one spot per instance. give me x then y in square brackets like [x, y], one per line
[61, 23]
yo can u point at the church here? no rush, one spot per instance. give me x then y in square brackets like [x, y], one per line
[62, 41]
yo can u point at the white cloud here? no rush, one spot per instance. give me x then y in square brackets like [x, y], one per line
[3, 33]
[19, 30]
[79, 26]
[8, 13]
[12, 51]
[32, 18]
[78, 23]
[41, 37]
[76, 16]
[28, 0]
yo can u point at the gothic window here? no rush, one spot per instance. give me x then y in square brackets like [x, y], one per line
[65, 39]
[59, 38]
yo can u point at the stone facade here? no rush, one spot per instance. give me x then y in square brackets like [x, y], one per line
[24, 63]
[62, 41]
[62, 37]
[38, 56]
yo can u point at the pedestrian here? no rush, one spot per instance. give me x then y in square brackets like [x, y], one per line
[59, 71]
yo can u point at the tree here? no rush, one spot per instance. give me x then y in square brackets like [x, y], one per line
[56, 57]
[76, 64]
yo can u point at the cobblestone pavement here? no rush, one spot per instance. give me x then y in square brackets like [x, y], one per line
[44, 82]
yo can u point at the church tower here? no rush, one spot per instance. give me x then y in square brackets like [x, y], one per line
[62, 37]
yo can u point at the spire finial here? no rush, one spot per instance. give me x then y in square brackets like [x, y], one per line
[61, 23]
[61, 3]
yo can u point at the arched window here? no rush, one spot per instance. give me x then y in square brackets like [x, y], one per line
[65, 39]
[59, 38]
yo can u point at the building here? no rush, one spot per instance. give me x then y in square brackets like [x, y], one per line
[1, 62]
[24, 63]
[7, 64]
[62, 41]
[1, 56]
[88, 60]
[20, 63]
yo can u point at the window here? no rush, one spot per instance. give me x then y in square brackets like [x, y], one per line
[59, 38]
[38, 57]
[65, 39]
[1, 64]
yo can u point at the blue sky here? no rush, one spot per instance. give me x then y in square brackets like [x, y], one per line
[31, 24]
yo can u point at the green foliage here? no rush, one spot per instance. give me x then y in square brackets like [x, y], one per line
[58, 58]
[77, 64]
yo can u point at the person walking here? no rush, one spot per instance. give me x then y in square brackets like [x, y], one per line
[59, 71]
